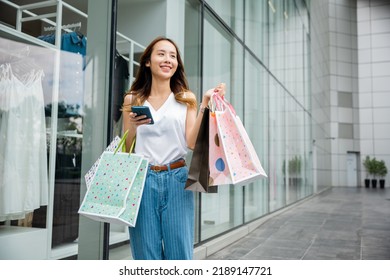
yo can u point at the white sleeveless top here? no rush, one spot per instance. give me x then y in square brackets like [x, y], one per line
[164, 141]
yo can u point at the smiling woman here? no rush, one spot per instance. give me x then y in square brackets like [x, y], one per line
[165, 223]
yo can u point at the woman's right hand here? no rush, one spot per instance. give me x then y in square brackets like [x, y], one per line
[136, 121]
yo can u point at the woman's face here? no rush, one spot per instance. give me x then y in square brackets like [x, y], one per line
[163, 60]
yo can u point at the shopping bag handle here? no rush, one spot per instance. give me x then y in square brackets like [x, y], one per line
[221, 103]
[122, 144]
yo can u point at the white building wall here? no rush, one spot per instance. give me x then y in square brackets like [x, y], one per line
[350, 85]
[320, 88]
[373, 21]
[343, 87]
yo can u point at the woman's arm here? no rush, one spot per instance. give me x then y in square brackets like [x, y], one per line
[127, 121]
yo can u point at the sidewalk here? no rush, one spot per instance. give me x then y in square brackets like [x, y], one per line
[337, 224]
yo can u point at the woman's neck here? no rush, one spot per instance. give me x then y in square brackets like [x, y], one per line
[160, 89]
[159, 93]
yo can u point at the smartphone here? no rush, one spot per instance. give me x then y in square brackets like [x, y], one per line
[143, 110]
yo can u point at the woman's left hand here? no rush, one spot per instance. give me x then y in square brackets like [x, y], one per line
[220, 89]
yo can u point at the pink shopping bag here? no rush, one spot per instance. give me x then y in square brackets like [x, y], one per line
[241, 158]
[252, 152]
[219, 171]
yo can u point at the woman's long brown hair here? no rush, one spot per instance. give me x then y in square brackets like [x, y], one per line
[141, 87]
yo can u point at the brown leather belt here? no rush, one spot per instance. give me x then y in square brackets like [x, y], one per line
[173, 165]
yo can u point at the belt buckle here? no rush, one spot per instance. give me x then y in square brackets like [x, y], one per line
[157, 168]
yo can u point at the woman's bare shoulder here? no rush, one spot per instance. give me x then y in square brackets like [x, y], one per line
[128, 98]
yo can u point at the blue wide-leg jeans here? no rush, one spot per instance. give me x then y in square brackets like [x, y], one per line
[165, 222]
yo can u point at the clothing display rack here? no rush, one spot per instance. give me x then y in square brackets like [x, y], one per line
[65, 27]
[128, 51]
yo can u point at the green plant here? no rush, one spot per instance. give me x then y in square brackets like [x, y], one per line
[375, 167]
[382, 169]
[294, 166]
[368, 165]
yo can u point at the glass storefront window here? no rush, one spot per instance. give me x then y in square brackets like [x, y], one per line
[231, 12]
[25, 71]
[255, 121]
[222, 62]
[41, 131]
[293, 156]
[192, 63]
[256, 28]
[277, 145]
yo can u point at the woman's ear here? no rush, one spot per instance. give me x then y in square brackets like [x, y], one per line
[147, 64]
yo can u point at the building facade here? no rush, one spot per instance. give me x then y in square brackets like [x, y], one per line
[307, 78]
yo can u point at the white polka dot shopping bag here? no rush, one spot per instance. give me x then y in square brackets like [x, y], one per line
[115, 187]
[91, 172]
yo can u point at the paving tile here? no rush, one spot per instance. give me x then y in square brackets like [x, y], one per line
[374, 241]
[296, 232]
[263, 232]
[375, 253]
[275, 253]
[337, 225]
[326, 252]
[372, 232]
[233, 254]
[339, 234]
[340, 243]
[306, 221]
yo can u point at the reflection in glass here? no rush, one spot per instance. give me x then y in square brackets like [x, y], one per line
[255, 121]
[40, 106]
[231, 12]
[23, 160]
[277, 145]
[257, 28]
[68, 148]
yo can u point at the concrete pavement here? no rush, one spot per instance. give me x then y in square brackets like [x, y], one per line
[337, 224]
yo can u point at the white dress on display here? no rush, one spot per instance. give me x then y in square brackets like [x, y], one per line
[23, 152]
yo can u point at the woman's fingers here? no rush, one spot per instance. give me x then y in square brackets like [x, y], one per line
[138, 120]
[220, 89]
